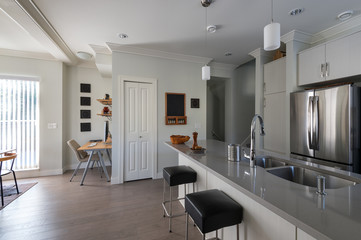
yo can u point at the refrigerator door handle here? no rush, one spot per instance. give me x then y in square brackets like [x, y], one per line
[315, 123]
[309, 122]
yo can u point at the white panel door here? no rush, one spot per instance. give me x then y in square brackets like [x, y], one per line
[138, 131]
[145, 131]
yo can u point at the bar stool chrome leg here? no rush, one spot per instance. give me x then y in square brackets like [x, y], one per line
[163, 196]
[237, 231]
[170, 210]
[175, 176]
[187, 226]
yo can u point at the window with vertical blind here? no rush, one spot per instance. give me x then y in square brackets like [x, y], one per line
[19, 119]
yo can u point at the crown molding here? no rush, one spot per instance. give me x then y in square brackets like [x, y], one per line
[260, 52]
[222, 66]
[100, 49]
[344, 28]
[298, 36]
[29, 17]
[155, 53]
[23, 54]
[347, 27]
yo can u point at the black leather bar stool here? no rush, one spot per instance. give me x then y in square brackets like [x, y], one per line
[175, 176]
[212, 210]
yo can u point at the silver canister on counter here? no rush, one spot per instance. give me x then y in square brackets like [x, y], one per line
[234, 152]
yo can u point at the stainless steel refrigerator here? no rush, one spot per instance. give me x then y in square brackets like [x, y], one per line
[325, 126]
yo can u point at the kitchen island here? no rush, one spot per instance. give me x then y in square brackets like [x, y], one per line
[275, 208]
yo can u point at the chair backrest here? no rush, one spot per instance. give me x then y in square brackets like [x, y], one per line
[74, 147]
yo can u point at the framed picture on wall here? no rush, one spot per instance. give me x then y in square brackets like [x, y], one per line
[85, 87]
[85, 101]
[85, 127]
[194, 102]
[85, 114]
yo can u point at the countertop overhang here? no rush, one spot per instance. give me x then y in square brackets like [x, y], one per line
[334, 216]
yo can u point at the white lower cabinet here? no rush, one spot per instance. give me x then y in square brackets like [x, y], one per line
[301, 235]
[258, 221]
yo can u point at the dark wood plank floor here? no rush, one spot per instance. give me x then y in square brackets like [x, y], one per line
[58, 209]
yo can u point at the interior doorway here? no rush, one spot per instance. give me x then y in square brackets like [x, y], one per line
[216, 108]
[138, 132]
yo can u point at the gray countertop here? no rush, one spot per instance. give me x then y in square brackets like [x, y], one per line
[334, 216]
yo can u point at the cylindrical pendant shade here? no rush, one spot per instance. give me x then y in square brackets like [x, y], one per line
[206, 72]
[272, 35]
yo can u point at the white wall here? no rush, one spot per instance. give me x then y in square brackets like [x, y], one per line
[172, 76]
[50, 106]
[216, 105]
[243, 101]
[99, 86]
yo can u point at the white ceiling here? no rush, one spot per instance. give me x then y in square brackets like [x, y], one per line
[14, 37]
[173, 26]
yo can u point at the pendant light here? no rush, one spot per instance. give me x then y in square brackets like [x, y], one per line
[206, 70]
[272, 34]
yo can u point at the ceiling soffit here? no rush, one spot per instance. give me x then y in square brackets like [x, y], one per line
[29, 17]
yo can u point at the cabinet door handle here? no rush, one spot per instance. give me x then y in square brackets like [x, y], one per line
[327, 69]
[322, 70]
[264, 102]
[264, 87]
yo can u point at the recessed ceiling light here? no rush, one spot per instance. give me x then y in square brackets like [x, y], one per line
[227, 54]
[84, 55]
[296, 11]
[345, 15]
[122, 35]
[212, 28]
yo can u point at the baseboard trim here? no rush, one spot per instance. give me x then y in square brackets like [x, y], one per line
[159, 175]
[83, 165]
[34, 173]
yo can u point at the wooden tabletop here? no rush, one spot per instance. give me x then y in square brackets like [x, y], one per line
[7, 150]
[8, 156]
[98, 146]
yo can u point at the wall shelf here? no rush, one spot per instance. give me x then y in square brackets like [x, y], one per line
[176, 120]
[104, 114]
[107, 102]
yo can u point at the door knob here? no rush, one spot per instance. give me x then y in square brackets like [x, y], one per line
[140, 136]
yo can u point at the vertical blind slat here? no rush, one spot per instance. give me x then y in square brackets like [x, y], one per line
[19, 120]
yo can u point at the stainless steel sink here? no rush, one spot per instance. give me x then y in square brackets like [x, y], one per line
[268, 162]
[308, 177]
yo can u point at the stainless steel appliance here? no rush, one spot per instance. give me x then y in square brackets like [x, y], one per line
[325, 126]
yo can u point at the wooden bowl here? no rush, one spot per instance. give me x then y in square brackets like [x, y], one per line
[179, 139]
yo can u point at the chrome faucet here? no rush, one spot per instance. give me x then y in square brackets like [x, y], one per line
[252, 154]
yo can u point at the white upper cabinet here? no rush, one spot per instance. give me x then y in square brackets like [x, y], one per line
[333, 60]
[343, 57]
[275, 76]
[310, 63]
